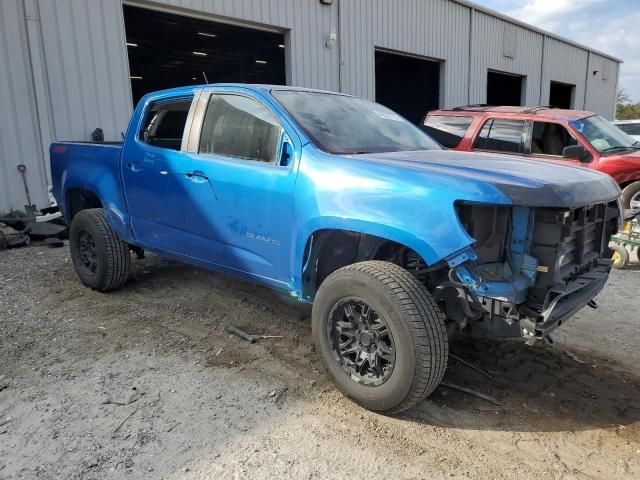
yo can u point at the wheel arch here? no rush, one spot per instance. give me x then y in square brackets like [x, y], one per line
[626, 183]
[79, 196]
[78, 199]
[325, 250]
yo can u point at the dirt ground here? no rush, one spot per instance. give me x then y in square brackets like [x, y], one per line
[145, 383]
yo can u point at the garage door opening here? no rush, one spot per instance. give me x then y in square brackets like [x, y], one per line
[167, 50]
[561, 95]
[408, 85]
[504, 89]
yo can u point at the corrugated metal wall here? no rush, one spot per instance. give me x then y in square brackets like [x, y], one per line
[487, 47]
[19, 131]
[85, 67]
[566, 64]
[435, 29]
[602, 85]
[64, 68]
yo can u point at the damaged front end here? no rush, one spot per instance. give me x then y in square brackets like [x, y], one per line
[529, 270]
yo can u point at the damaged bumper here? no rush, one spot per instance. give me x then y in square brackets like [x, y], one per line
[554, 262]
[565, 302]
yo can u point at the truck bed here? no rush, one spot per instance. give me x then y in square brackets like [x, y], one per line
[92, 166]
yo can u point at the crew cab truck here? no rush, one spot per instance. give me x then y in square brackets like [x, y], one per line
[340, 202]
[573, 137]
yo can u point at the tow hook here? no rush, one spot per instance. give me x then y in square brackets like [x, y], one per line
[592, 303]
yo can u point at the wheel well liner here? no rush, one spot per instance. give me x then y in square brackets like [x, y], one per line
[79, 199]
[628, 182]
[328, 250]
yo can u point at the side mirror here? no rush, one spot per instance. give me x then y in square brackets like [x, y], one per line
[576, 151]
[287, 154]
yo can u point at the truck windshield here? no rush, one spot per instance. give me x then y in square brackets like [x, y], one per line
[341, 124]
[603, 135]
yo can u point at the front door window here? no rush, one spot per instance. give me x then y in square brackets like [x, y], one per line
[550, 139]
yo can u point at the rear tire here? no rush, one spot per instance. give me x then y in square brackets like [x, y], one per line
[620, 256]
[630, 197]
[380, 336]
[100, 258]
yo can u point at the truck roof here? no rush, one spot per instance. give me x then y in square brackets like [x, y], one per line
[252, 86]
[543, 111]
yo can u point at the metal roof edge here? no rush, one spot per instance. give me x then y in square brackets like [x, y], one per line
[520, 23]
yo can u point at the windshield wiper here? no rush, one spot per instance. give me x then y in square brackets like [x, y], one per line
[621, 147]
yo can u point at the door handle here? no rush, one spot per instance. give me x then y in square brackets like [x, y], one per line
[197, 176]
[134, 166]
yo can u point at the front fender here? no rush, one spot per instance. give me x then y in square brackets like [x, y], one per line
[450, 240]
[409, 208]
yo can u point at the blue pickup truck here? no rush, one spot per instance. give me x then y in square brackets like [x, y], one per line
[340, 202]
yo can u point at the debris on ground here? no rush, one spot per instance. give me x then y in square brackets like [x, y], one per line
[134, 396]
[123, 421]
[251, 338]
[574, 357]
[11, 238]
[54, 242]
[470, 365]
[47, 217]
[453, 386]
[43, 230]
[17, 229]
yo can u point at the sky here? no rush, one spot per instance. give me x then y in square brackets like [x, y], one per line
[611, 26]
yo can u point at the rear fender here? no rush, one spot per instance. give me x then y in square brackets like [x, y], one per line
[95, 170]
[114, 210]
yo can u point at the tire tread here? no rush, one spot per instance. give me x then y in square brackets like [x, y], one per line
[117, 256]
[424, 318]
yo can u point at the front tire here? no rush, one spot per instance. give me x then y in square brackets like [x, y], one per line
[630, 197]
[100, 258]
[380, 335]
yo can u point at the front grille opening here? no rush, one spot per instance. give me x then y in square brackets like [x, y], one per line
[568, 243]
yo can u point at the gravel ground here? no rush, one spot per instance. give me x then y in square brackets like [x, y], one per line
[144, 383]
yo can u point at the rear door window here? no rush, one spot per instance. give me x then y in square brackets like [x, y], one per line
[501, 135]
[447, 130]
[165, 122]
[550, 139]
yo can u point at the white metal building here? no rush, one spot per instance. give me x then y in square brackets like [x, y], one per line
[68, 67]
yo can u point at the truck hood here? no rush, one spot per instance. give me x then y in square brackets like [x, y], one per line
[525, 182]
[625, 160]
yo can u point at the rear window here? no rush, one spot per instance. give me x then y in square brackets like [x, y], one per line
[448, 131]
[501, 135]
[164, 123]
[629, 128]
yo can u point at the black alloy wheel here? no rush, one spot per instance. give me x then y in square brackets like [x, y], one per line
[87, 253]
[361, 341]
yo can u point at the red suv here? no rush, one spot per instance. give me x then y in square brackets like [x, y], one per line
[569, 136]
